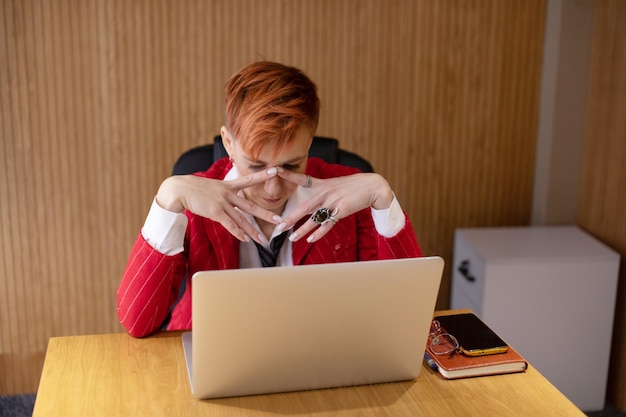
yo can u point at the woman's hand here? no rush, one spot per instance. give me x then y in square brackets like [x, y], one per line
[343, 196]
[218, 200]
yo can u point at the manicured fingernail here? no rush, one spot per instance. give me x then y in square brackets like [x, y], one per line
[311, 238]
[272, 171]
[281, 227]
[246, 238]
[293, 236]
[262, 238]
[277, 219]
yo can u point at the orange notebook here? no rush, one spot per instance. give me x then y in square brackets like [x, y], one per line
[458, 365]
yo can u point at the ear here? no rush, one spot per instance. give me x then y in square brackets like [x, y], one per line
[227, 140]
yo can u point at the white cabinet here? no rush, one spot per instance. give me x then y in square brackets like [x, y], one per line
[550, 293]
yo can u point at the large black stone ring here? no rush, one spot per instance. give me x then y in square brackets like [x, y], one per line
[324, 215]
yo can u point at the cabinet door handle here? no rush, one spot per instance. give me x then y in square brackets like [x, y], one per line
[464, 270]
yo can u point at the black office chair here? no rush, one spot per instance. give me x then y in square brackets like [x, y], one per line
[202, 157]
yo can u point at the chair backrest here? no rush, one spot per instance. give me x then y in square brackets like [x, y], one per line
[202, 157]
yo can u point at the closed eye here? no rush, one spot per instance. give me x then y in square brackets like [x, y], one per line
[256, 167]
[291, 167]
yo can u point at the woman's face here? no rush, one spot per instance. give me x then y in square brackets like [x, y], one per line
[273, 194]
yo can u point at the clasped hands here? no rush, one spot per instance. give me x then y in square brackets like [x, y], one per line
[221, 201]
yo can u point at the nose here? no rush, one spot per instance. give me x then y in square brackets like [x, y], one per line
[273, 186]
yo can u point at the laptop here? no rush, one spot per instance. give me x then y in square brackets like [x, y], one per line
[268, 330]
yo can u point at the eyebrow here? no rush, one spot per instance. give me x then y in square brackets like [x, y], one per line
[289, 162]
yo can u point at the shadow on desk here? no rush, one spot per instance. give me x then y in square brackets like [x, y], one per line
[322, 400]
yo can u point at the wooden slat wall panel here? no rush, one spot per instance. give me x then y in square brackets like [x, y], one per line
[602, 206]
[98, 98]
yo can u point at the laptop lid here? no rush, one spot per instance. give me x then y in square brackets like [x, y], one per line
[266, 330]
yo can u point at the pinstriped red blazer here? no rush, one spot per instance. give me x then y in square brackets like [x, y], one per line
[151, 280]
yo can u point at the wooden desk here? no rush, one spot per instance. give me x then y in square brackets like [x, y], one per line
[118, 375]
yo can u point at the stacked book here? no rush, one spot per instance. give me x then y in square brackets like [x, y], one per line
[474, 349]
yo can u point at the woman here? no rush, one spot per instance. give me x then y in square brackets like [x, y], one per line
[238, 213]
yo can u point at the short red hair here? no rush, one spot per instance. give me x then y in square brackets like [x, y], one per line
[268, 102]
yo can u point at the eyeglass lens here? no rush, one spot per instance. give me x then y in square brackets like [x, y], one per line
[441, 343]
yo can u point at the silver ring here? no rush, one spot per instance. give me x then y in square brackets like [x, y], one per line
[324, 215]
[307, 184]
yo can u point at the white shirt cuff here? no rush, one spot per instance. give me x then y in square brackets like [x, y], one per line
[389, 222]
[165, 230]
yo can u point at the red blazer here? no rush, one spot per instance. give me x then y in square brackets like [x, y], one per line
[151, 281]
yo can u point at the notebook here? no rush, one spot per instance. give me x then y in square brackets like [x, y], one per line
[268, 330]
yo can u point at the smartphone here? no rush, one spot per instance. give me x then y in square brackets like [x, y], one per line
[474, 336]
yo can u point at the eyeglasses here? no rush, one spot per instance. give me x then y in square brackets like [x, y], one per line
[441, 343]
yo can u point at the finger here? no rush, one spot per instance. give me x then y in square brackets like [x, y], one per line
[253, 179]
[239, 226]
[295, 177]
[305, 209]
[251, 208]
[319, 231]
[233, 227]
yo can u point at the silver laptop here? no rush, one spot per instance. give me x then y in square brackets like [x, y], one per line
[266, 330]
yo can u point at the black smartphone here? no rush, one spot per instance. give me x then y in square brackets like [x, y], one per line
[474, 336]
